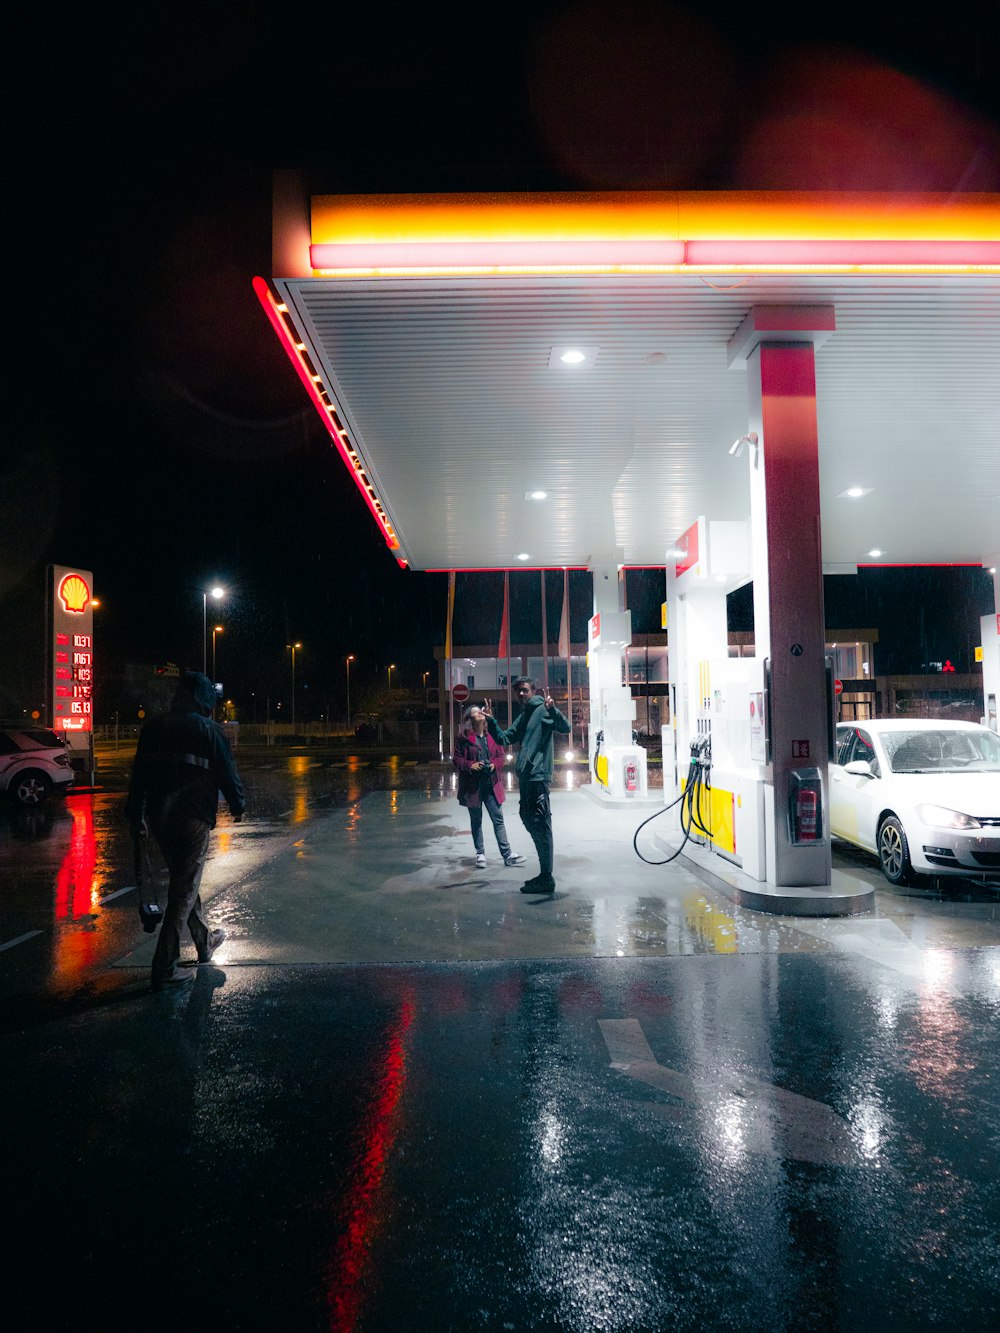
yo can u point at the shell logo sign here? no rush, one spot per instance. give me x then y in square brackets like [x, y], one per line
[74, 593]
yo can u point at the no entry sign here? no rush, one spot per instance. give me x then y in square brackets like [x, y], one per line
[460, 693]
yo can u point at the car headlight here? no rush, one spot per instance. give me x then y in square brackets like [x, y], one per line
[939, 816]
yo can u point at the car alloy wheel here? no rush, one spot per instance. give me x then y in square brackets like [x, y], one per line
[894, 852]
[31, 788]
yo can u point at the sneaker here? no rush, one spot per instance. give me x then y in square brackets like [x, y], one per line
[540, 884]
[480, 860]
[215, 938]
[175, 978]
[514, 860]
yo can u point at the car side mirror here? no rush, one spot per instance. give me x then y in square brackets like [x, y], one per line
[860, 768]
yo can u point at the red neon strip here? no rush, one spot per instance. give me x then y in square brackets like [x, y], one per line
[503, 569]
[277, 323]
[492, 254]
[824, 253]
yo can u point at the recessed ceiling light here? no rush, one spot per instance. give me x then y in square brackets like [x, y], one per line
[876, 553]
[536, 495]
[524, 556]
[572, 356]
[855, 492]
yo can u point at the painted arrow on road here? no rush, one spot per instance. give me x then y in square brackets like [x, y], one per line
[745, 1114]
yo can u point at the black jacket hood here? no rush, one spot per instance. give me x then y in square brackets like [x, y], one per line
[195, 694]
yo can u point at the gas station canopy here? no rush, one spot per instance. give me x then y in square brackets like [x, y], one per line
[431, 332]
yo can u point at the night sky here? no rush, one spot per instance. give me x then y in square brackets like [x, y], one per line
[157, 433]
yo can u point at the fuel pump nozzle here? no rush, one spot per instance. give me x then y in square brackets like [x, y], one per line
[701, 750]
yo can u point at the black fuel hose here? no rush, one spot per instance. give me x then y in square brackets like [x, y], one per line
[697, 784]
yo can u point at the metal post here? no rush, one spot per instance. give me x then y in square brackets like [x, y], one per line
[569, 658]
[545, 638]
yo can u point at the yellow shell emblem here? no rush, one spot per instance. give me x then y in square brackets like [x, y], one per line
[74, 593]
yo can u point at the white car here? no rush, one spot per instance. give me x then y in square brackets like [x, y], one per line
[33, 763]
[923, 795]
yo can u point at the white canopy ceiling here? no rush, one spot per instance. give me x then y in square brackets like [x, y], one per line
[456, 408]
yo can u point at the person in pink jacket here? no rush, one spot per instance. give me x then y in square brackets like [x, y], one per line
[479, 761]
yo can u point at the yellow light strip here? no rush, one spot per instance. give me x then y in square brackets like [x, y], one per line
[702, 215]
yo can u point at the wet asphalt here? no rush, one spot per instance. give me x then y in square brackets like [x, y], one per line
[406, 1096]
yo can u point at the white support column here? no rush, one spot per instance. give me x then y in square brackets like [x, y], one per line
[612, 708]
[777, 347]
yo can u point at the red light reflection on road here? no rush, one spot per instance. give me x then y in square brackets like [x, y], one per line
[75, 893]
[75, 880]
[363, 1199]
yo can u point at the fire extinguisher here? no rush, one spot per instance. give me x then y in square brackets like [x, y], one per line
[805, 807]
[631, 773]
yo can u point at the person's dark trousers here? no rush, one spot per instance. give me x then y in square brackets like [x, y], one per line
[536, 816]
[496, 815]
[183, 841]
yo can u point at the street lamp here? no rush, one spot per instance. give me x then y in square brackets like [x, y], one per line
[293, 647]
[216, 593]
[389, 673]
[347, 661]
[216, 629]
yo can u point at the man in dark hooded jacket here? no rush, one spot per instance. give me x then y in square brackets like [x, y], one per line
[534, 729]
[182, 762]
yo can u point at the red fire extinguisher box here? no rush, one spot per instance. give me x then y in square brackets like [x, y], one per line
[805, 807]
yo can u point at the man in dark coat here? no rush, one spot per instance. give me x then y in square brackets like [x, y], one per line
[534, 729]
[182, 762]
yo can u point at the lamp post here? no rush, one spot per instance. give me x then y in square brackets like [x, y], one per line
[389, 674]
[216, 593]
[216, 629]
[293, 647]
[347, 661]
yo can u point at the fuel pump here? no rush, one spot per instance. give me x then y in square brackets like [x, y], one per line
[694, 800]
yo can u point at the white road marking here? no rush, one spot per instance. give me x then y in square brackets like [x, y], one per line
[879, 941]
[117, 894]
[28, 935]
[745, 1114]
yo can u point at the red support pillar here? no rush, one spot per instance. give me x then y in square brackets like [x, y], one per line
[788, 603]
